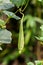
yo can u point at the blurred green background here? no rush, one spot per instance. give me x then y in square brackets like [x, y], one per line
[23, 21]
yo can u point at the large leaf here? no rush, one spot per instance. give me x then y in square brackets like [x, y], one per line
[18, 3]
[21, 37]
[2, 23]
[5, 36]
[11, 15]
[4, 1]
[5, 6]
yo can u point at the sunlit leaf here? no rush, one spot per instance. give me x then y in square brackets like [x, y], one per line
[38, 62]
[40, 0]
[11, 15]
[5, 36]
[30, 63]
[2, 23]
[21, 37]
[0, 48]
[41, 27]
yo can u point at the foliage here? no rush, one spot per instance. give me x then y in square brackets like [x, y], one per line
[6, 37]
[18, 3]
[28, 15]
[11, 15]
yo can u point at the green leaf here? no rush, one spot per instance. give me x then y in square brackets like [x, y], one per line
[39, 38]
[5, 36]
[2, 23]
[5, 6]
[0, 48]
[30, 63]
[30, 22]
[40, 2]
[21, 37]
[41, 27]
[18, 3]
[4, 1]
[27, 37]
[38, 62]
[11, 15]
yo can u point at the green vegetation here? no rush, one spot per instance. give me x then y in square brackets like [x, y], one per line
[21, 28]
